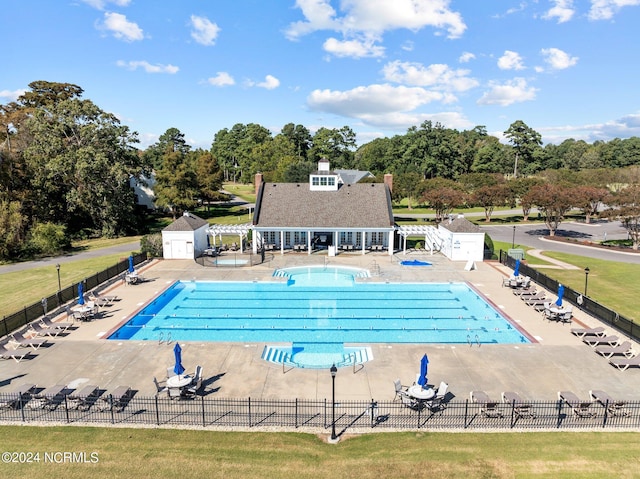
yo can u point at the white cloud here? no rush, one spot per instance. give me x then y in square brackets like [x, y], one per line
[513, 91]
[101, 4]
[12, 95]
[438, 76]
[221, 79]
[371, 100]
[510, 61]
[563, 10]
[352, 48]
[204, 31]
[557, 59]
[605, 9]
[122, 28]
[270, 82]
[148, 67]
[371, 18]
[466, 57]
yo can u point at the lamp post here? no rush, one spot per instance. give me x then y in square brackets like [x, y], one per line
[333, 370]
[513, 238]
[59, 285]
[586, 279]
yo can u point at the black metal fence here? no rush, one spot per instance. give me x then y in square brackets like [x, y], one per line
[457, 414]
[577, 299]
[55, 301]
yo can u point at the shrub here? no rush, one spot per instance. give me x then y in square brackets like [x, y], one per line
[152, 245]
[48, 239]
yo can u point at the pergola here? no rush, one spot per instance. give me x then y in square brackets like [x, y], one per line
[432, 238]
[219, 230]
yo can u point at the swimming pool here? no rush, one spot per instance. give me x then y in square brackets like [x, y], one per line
[345, 311]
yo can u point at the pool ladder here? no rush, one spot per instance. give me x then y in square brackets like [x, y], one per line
[477, 340]
[161, 338]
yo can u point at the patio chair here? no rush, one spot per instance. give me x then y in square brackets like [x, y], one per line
[18, 397]
[159, 389]
[488, 407]
[566, 316]
[624, 363]
[55, 324]
[16, 355]
[438, 400]
[580, 408]
[623, 349]
[594, 341]
[21, 341]
[410, 402]
[43, 331]
[399, 389]
[521, 408]
[196, 384]
[613, 407]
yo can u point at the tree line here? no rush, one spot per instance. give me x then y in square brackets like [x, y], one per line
[66, 166]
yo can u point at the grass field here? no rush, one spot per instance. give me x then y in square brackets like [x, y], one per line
[155, 453]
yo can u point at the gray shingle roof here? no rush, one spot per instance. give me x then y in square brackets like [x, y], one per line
[461, 225]
[353, 176]
[293, 205]
[187, 222]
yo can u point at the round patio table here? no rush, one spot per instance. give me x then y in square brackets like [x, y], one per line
[416, 391]
[179, 381]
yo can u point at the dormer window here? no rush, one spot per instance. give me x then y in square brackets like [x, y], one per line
[324, 179]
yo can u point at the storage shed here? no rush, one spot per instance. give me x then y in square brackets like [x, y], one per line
[185, 238]
[461, 239]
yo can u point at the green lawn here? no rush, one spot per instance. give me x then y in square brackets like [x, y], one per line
[156, 453]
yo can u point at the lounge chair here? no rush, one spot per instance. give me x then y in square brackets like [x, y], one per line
[18, 397]
[44, 331]
[613, 407]
[521, 407]
[526, 292]
[488, 407]
[117, 400]
[84, 398]
[582, 332]
[21, 341]
[623, 349]
[580, 408]
[55, 324]
[104, 297]
[101, 302]
[50, 398]
[594, 341]
[625, 363]
[16, 355]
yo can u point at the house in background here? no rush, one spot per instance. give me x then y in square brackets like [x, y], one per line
[143, 189]
[185, 238]
[325, 213]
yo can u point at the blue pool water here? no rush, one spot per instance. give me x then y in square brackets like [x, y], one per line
[320, 307]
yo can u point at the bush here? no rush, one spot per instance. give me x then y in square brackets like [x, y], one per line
[48, 239]
[152, 245]
[489, 249]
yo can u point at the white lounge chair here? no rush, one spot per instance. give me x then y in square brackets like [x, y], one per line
[623, 349]
[43, 331]
[55, 324]
[521, 407]
[21, 341]
[17, 355]
[18, 397]
[488, 407]
[582, 332]
[594, 341]
[613, 407]
[624, 363]
[579, 407]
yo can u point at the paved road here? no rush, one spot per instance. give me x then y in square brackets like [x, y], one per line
[124, 249]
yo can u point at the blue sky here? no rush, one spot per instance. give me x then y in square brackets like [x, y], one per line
[567, 68]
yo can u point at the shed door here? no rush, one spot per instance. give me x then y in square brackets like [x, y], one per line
[178, 249]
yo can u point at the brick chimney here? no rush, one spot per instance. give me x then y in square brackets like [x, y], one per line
[388, 180]
[257, 181]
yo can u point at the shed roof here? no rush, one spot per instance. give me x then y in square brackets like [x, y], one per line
[187, 222]
[294, 205]
[461, 225]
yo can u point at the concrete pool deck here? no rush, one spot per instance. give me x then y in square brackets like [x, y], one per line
[557, 361]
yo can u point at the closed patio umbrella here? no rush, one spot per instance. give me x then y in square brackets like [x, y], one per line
[131, 268]
[516, 269]
[422, 380]
[80, 294]
[560, 295]
[178, 368]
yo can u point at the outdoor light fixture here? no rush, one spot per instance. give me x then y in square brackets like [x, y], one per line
[586, 279]
[59, 286]
[513, 239]
[334, 371]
